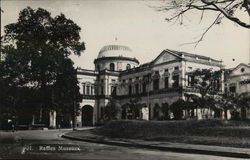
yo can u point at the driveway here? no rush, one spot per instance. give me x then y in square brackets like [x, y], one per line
[16, 146]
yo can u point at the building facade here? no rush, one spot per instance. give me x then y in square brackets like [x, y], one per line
[237, 82]
[117, 75]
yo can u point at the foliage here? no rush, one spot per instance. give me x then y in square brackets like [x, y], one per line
[235, 114]
[224, 103]
[244, 100]
[36, 52]
[134, 106]
[111, 110]
[207, 83]
[177, 109]
[165, 108]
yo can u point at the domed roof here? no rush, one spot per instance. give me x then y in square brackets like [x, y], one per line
[115, 51]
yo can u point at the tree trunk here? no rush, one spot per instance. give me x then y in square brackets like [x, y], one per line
[225, 114]
[197, 113]
[33, 120]
[40, 114]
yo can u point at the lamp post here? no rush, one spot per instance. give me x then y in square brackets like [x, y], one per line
[74, 113]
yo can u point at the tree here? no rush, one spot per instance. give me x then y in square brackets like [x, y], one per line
[243, 102]
[134, 107]
[207, 83]
[177, 109]
[66, 97]
[229, 9]
[36, 52]
[224, 103]
[111, 110]
[165, 110]
[190, 103]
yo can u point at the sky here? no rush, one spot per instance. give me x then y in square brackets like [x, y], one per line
[137, 24]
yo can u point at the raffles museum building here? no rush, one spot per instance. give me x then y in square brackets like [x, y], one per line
[120, 76]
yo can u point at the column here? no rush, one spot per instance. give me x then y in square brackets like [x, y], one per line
[52, 119]
[222, 82]
[145, 113]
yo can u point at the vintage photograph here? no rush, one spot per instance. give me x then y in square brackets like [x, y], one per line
[125, 79]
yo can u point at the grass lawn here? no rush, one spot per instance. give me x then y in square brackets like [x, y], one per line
[210, 132]
[6, 137]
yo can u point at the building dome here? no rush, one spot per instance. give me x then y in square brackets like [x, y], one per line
[115, 51]
[115, 58]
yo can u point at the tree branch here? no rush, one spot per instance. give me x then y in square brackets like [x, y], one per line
[178, 15]
[234, 19]
[246, 4]
[204, 33]
[203, 8]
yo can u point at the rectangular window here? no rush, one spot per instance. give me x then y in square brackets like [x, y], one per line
[114, 91]
[218, 84]
[166, 82]
[136, 88]
[102, 90]
[176, 81]
[144, 87]
[156, 84]
[176, 68]
[190, 80]
[111, 89]
[83, 89]
[130, 90]
[88, 90]
[91, 91]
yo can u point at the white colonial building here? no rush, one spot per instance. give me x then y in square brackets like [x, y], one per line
[237, 81]
[118, 75]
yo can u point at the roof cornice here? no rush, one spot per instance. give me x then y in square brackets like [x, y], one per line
[116, 58]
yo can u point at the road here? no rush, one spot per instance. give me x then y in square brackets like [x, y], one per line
[16, 146]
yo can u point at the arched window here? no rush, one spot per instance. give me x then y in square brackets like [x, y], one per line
[112, 67]
[128, 66]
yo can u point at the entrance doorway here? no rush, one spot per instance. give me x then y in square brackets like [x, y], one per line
[87, 115]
